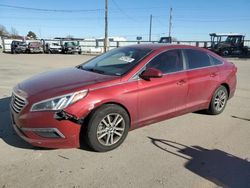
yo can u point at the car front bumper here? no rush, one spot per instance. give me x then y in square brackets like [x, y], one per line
[73, 50]
[55, 50]
[43, 130]
[36, 50]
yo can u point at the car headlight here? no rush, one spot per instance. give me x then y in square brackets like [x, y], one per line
[60, 102]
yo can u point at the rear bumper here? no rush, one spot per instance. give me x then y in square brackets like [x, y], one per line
[231, 93]
[233, 84]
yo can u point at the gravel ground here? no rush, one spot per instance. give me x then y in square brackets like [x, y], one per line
[194, 150]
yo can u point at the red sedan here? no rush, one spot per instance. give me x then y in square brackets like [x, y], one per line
[121, 90]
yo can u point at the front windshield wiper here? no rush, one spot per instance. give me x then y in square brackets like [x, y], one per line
[91, 70]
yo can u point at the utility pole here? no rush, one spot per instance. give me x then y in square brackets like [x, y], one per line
[40, 33]
[170, 22]
[106, 27]
[150, 27]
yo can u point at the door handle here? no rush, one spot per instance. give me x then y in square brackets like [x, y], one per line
[213, 74]
[181, 82]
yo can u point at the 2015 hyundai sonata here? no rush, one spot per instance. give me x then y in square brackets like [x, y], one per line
[121, 90]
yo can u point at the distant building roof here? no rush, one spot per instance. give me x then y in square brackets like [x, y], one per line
[111, 39]
[225, 34]
[66, 38]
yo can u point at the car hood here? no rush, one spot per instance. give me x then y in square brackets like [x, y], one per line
[61, 81]
[55, 47]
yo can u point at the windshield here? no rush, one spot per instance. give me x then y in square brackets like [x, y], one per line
[116, 62]
[70, 44]
[233, 39]
[22, 44]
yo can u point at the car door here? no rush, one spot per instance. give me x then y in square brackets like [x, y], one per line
[164, 96]
[202, 78]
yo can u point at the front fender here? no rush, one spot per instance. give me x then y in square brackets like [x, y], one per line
[124, 95]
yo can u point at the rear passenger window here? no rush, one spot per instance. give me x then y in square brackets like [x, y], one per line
[216, 61]
[167, 62]
[197, 59]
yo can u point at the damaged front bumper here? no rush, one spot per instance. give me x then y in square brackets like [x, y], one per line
[63, 115]
[48, 129]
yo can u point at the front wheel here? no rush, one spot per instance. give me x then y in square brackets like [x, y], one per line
[219, 101]
[107, 127]
[225, 52]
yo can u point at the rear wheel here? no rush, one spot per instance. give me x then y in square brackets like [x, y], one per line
[219, 101]
[225, 52]
[107, 127]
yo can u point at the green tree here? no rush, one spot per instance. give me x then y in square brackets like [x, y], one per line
[31, 35]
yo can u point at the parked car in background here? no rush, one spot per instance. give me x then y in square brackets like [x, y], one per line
[71, 48]
[123, 89]
[165, 40]
[34, 47]
[53, 48]
[18, 47]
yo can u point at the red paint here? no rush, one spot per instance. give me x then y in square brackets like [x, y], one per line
[151, 73]
[146, 101]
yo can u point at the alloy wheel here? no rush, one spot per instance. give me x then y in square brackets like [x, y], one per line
[110, 130]
[220, 100]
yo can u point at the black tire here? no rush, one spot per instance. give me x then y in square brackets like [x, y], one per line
[95, 124]
[225, 52]
[218, 101]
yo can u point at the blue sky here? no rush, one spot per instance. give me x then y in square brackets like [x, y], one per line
[192, 19]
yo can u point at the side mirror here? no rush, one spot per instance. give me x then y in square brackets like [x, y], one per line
[151, 73]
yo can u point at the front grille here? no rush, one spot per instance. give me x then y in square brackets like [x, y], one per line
[17, 103]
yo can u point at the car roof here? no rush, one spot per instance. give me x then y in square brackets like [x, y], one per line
[225, 34]
[160, 46]
[16, 41]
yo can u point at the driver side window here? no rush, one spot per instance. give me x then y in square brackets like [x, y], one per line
[167, 62]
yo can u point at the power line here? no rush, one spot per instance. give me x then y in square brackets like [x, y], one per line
[58, 26]
[51, 10]
[156, 18]
[78, 10]
[212, 21]
[54, 18]
[122, 11]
